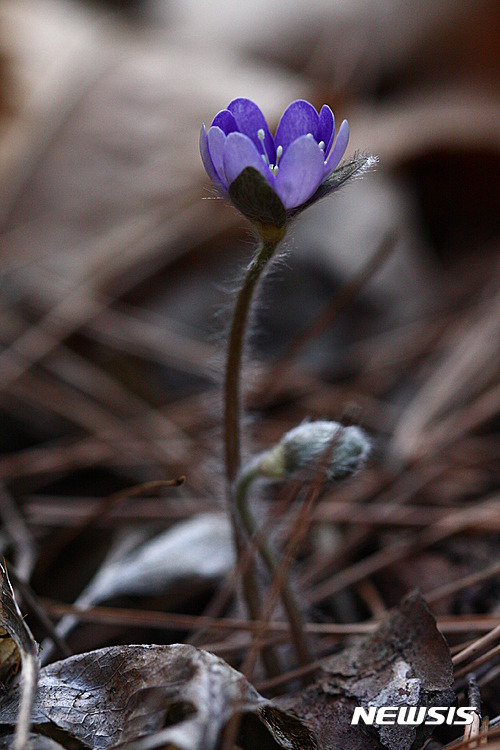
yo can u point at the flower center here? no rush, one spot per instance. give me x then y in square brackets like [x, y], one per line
[279, 151]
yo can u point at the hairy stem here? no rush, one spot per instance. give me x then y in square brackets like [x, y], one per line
[232, 409]
[243, 483]
[234, 356]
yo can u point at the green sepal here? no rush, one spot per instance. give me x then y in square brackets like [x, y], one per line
[254, 198]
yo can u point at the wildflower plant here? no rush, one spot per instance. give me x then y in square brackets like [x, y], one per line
[270, 180]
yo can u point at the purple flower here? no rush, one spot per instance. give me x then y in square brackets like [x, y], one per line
[294, 164]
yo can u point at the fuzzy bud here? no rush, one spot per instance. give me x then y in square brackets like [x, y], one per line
[309, 442]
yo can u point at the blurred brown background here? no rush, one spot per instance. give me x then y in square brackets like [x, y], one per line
[117, 269]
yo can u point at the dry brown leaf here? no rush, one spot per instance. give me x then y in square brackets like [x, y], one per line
[17, 645]
[175, 696]
[405, 662]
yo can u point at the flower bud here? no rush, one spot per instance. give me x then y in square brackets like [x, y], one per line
[345, 450]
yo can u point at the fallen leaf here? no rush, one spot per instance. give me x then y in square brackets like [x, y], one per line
[17, 645]
[197, 550]
[200, 547]
[405, 662]
[175, 696]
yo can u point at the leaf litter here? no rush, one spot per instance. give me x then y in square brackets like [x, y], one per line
[183, 697]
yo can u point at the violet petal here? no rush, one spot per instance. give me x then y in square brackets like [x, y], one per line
[240, 152]
[207, 162]
[225, 121]
[250, 120]
[326, 129]
[216, 141]
[339, 148]
[300, 172]
[299, 118]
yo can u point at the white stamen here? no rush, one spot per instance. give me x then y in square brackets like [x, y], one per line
[279, 151]
[262, 136]
[310, 135]
[321, 144]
